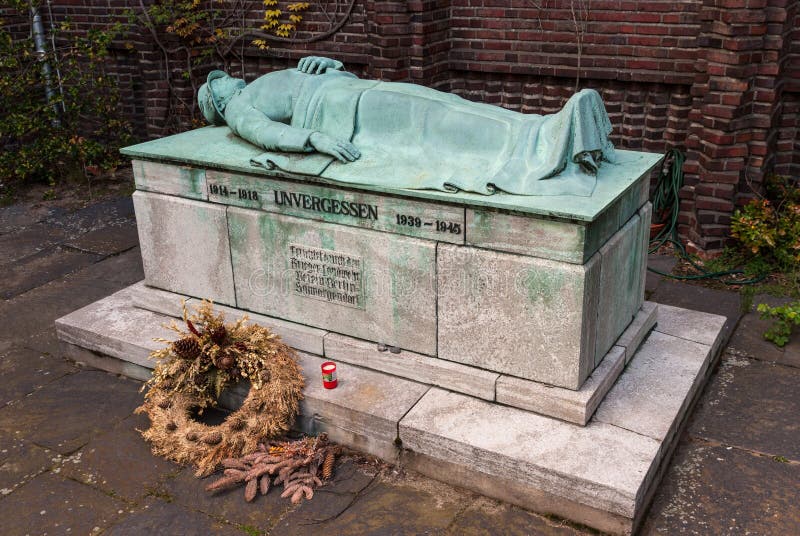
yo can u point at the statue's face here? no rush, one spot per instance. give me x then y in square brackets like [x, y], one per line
[207, 107]
[213, 96]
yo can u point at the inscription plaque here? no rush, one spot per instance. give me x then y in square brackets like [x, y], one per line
[327, 275]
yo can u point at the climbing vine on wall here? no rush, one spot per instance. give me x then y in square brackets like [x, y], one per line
[194, 36]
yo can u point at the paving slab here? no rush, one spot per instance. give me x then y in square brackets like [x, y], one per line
[28, 241]
[486, 517]
[753, 405]
[698, 298]
[108, 213]
[119, 462]
[123, 269]
[188, 491]
[107, 240]
[36, 310]
[385, 507]
[20, 462]
[23, 371]
[642, 401]
[49, 504]
[714, 489]
[748, 339]
[16, 217]
[691, 325]
[72, 410]
[42, 267]
[346, 487]
[169, 518]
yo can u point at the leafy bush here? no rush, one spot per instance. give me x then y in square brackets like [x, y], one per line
[80, 129]
[769, 227]
[785, 316]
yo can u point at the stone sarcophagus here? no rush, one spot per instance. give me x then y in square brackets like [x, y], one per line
[535, 288]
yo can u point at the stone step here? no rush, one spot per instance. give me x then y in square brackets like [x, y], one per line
[362, 412]
[575, 406]
[602, 475]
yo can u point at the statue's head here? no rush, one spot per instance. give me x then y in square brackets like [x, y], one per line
[214, 95]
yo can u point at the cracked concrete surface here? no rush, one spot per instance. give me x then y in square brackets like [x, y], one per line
[71, 460]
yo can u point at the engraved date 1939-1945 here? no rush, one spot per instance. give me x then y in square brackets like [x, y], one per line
[438, 225]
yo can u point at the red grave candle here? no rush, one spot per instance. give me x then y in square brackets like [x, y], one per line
[329, 380]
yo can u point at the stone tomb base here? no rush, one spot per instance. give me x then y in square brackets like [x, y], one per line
[602, 474]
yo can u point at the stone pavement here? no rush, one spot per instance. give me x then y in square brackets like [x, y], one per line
[71, 460]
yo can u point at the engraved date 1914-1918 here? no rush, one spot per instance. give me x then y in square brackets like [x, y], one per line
[439, 225]
[241, 193]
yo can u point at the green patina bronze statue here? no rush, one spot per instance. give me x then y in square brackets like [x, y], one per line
[319, 120]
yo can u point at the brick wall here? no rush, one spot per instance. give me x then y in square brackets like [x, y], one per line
[719, 78]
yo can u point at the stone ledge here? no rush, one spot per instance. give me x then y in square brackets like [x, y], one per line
[298, 336]
[430, 370]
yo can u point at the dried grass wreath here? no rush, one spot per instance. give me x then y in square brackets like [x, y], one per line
[192, 372]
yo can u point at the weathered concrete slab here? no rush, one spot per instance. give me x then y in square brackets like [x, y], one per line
[748, 339]
[185, 246]
[62, 507]
[634, 334]
[108, 240]
[183, 181]
[119, 462]
[429, 370]
[116, 211]
[753, 405]
[663, 377]
[565, 404]
[113, 327]
[23, 371]
[48, 419]
[691, 325]
[619, 283]
[716, 489]
[523, 316]
[366, 404]
[599, 465]
[28, 241]
[169, 518]
[371, 285]
[35, 270]
[699, 298]
[443, 222]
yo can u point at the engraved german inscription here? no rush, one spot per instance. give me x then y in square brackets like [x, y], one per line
[327, 275]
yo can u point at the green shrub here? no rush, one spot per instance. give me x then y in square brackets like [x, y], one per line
[81, 129]
[769, 227]
[785, 317]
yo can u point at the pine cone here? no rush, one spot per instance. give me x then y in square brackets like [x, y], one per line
[225, 362]
[218, 335]
[186, 348]
[327, 465]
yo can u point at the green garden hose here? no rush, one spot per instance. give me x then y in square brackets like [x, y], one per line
[666, 200]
